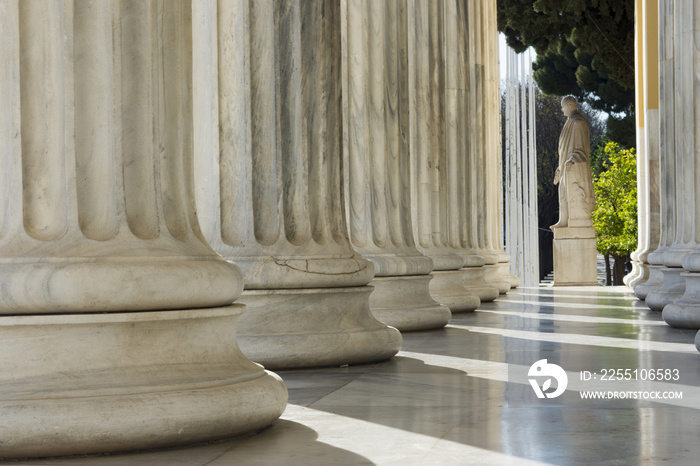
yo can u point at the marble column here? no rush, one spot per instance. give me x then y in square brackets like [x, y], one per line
[640, 273]
[685, 179]
[667, 155]
[269, 192]
[484, 128]
[377, 160]
[117, 330]
[648, 134]
[467, 146]
[438, 234]
[685, 311]
[494, 163]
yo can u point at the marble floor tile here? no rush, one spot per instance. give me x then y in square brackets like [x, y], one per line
[461, 395]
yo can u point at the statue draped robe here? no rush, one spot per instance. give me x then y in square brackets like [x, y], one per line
[576, 196]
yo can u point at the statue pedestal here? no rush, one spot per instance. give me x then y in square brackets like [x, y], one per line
[575, 256]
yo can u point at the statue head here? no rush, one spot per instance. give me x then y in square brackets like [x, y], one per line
[569, 105]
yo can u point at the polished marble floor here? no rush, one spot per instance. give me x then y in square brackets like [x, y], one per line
[462, 395]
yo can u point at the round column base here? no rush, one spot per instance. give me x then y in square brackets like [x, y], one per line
[95, 383]
[404, 302]
[691, 261]
[475, 283]
[72, 286]
[672, 289]
[685, 311]
[653, 283]
[493, 277]
[634, 276]
[294, 328]
[504, 272]
[640, 278]
[447, 288]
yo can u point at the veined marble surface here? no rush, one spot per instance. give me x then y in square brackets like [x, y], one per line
[681, 184]
[680, 301]
[106, 278]
[267, 96]
[377, 162]
[448, 397]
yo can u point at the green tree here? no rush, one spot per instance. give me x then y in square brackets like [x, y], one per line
[615, 214]
[585, 48]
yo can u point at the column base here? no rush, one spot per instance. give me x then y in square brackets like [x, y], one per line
[653, 283]
[481, 282]
[504, 272]
[575, 257]
[493, 278]
[672, 289]
[691, 261]
[685, 311]
[447, 288]
[404, 302]
[634, 274]
[93, 383]
[294, 328]
[638, 276]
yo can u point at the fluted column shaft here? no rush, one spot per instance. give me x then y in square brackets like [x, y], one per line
[685, 311]
[686, 164]
[467, 143]
[638, 271]
[269, 191]
[685, 134]
[114, 309]
[647, 72]
[667, 156]
[96, 148]
[447, 146]
[428, 157]
[493, 157]
[481, 128]
[377, 157]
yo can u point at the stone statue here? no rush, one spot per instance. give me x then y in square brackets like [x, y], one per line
[574, 236]
[576, 196]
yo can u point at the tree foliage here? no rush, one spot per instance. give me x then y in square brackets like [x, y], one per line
[615, 215]
[567, 70]
[585, 48]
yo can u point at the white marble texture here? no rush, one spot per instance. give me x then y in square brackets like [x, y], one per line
[429, 189]
[650, 238]
[95, 185]
[667, 159]
[117, 330]
[686, 187]
[685, 311]
[377, 160]
[79, 388]
[640, 273]
[474, 23]
[493, 160]
[448, 171]
[268, 179]
[651, 135]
